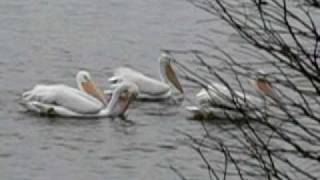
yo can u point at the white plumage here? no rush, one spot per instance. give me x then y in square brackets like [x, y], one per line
[150, 88]
[68, 97]
[219, 101]
[66, 101]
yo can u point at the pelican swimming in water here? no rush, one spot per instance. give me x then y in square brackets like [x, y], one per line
[87, 101]
[217, 99]
[149, 88]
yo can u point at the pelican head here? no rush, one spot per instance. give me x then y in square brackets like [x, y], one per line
[262, 84]
[124, 93]
[86, 84]
[262, 75]
[83, 77]
[167, 72]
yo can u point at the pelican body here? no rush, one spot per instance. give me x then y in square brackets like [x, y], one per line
[150, 88]
[88, 101]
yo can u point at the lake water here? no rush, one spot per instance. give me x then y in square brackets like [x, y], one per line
[46, 41]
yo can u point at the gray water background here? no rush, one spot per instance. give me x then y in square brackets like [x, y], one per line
[45, 41]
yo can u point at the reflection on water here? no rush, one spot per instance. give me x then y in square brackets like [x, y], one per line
[48, 42]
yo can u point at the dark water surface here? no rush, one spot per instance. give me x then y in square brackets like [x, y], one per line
[48, 42]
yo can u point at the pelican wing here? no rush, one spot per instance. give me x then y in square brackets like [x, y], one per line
[63, 96]
[55, 110]
[146, 85]
[208, 113]
[221, 95]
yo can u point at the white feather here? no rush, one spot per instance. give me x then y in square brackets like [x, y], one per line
[148, 87]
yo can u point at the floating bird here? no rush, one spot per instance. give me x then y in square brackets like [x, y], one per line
[149, 88]
[88, 101]
[220, 101]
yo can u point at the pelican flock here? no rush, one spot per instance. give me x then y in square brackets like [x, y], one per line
[86, 101]
[89, 101]
[150, 88]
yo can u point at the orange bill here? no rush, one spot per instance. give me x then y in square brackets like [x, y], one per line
[264, 86]
[125, 101]
[90, 88]
[171, 75]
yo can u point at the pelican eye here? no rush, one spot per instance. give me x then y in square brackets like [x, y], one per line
[262, 79]
[86, 78]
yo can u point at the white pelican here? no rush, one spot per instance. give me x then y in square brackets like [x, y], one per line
[217, 100]
[87, 102]
[149, 88]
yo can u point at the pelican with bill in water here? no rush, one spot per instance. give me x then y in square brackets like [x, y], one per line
[88, 101]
